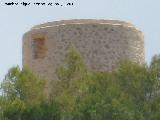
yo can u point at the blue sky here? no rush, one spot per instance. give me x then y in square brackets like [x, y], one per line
[16, 20]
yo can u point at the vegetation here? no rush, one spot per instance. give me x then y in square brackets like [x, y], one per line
[131, 92]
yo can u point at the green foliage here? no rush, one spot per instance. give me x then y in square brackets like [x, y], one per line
[20, 90]
[73, 68]
[127, 93]
[23, 85]
[131, 92]
[13, 110]
[43, 111]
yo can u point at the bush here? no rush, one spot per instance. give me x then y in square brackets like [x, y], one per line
[129, 93]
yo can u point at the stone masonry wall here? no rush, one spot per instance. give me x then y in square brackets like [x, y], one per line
[102, 43]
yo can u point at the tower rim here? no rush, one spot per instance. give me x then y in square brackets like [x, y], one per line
[83, 21]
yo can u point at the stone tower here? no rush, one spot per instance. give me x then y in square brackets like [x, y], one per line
[101, 43]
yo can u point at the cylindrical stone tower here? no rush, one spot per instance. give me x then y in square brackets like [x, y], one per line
[101, 43]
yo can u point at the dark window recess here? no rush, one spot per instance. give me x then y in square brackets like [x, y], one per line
[39, 47]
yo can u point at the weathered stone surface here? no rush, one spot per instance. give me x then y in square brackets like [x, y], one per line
[102, 43]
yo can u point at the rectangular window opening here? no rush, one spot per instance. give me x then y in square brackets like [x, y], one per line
[39, 48]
